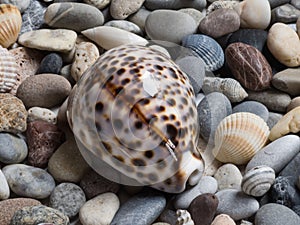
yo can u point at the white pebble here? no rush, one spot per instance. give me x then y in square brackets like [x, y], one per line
[38, 113]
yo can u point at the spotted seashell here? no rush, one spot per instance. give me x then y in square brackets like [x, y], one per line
[239, 136]
[184, 217]
[8, 70]
[258, 180]
[134, 117]
[207, 49]
[221, 5]
[10, 24]
[231, 88]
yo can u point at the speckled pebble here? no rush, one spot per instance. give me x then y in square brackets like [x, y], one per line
[121, 9]
[223, 219]
[252, 107]
[38, 113]
[4, 188]
[228, 176]
[51, 63]
[273, 119]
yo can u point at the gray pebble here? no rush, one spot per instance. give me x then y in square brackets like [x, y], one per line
[275, 3]
[22, 5]
[252, 107]
[140, 17]
[125, 25]
[51, 63]
[228, 176]
[196, 14]
[298, 182]
[174, 4]
[296, 3]
[285, 14]
[291, 171]
[4, 188]
[273, 119]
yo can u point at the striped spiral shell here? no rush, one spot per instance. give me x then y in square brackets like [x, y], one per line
[184, 217]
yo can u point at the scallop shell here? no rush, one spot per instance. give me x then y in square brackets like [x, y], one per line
[8, 70]
[10, 24]
[258, 181]
[221, 5]
[184, 217]
[207, 49]
[231, 88]
[239, 136]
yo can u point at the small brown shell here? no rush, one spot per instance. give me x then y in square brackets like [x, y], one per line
[239, 136]
[10, 24]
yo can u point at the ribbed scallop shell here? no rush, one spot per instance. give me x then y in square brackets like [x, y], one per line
[184, 217]
[207, 49]
[8, 70]
[229, 87]
[221, 5]
[258, 181]
[10, 24]
[239, 136]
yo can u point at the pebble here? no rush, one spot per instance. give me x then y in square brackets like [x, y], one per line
[68, 198]
[273, 119]
[121, 9]
[211, 111]
[44, 114]
[44, 90]
[67, 164]
[288, 81]
[22, 5]
[139, 18]
[99, 4]
[236, 204]
[196, 14]
[274, 100]
[173, 25]
[94, 184]
[159, 223]
[291, 170]
[275, 3]
[99, 210]
[277, 154]
[43, 139]
[286, 13]
[10, 206]
[294, 103]
[207, 184]
[85, 55]
[29, 181]
[253, 107]
[51, 63]
[220, 22]
[68, 15]
[168, 216]
[142, 209]
[298, 183]
[286, 52]
[276, 214]
[57, 40]
[39, 214]
[228, 176]
[125, 25]
[4, 188]
[223, 219]
[13, 148]
[175, 4]
[295, 3]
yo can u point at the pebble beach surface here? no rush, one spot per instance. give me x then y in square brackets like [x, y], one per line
[242, 60]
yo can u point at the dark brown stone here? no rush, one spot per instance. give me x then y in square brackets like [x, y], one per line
[43, 139]
[203, 209]
[248, 66]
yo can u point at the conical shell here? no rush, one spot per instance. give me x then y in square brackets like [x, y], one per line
[239, 136]
[184, 217]
[10, 24]
[258, 180]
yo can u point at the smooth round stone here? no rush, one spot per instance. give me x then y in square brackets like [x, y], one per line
[228, 176]
[276, 214]
[51, 63]
[10, 206]
[22, 5]
[44, 114]
[277, 154]
[248, 66]
[295, 3]
[67, 164]
[44, 90]
[294, 103]
[4, 188]
[207, 184]
[68, 198]
[273, 119]
[99, 210]
[169, 25]
[125, 25]
[286, 13]
[121, 9]
[211, 111]
[253, 107]
[223, 219]
[254, 37]
[274, 100]
[141, 209]
[283, 42]
[99, 4]
[29, 181]
[288, 81]
[220, 22]
[139, 18]
[196, 14]
[236, 204]
[39, 214]
[73, 16]
[13, 149]
[203, 208]
[174, 4]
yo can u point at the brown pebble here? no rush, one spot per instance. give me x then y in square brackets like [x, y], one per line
[294, 103]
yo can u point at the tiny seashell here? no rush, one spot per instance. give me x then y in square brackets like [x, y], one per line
[10, 24]
[8, 70]
[258, 181]
[231, 88]
[184, 217]
[239, 136]
[207, 49]
[221, 5]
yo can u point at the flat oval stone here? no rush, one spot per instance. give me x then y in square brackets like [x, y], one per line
[51, 63]
[288, 81]
[44, 90]
[174, 4]
[169, 25]
[286, 13]
[4, 188]
[228, 176]
[254, 107]
[248, 66]
[220, 22]
[29, 181]
[73, 16]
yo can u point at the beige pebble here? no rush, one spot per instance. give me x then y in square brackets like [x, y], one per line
[283, 42]
[288, 80]
[121, 9]
[294, 103]
[289, 123]
[223, 219]
[228, 176]
[298, 26]
[39, 113]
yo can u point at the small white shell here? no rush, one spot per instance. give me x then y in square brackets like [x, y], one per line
[38, 113]
[231, 88]
[258, 181]
[184, 217]
[239, 136]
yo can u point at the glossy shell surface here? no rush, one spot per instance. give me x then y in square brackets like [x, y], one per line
[184, 217]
